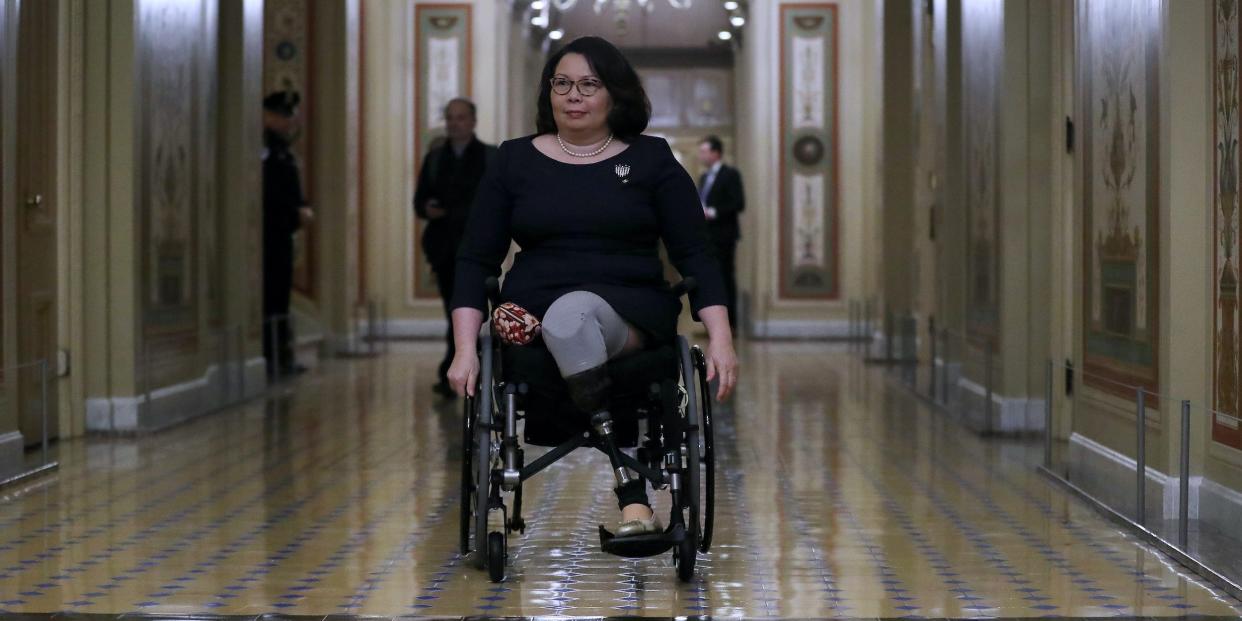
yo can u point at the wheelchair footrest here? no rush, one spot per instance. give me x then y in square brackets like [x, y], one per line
[641, 546]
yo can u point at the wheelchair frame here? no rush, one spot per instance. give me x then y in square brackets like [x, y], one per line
[678, 441]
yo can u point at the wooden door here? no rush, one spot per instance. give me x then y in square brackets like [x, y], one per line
[36, 214]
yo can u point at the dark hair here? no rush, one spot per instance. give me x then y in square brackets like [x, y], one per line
[474, 112]
[631, 110]
[714, 143]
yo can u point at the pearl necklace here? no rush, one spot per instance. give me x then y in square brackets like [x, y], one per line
[591, 154]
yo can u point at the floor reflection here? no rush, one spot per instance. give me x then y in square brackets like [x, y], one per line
[839, 496]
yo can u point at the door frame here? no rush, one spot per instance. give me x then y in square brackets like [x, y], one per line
[37, 284]
[8, 200]
[1066, 227]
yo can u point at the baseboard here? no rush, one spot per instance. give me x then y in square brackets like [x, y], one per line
[1220, 506]
[967, 400]
[404, 328]
[12, 454]
[1009, 414]
[1110, 476]
[170, 405]
[800, 329]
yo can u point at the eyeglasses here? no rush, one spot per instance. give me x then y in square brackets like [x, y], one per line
[586, 86]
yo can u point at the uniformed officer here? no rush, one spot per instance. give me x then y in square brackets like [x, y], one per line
[284, 212]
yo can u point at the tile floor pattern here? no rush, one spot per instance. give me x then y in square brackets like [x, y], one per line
[839, 496]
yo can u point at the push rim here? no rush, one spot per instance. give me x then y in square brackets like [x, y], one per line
[707, 434]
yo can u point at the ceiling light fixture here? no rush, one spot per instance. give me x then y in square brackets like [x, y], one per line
[731, 5]
[724, 35]
[738, 21]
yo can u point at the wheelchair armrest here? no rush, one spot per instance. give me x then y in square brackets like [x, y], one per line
[687, 285]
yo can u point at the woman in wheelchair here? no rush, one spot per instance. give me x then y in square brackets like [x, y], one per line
[588, 199]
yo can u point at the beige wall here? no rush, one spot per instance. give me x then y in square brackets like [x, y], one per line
[900, 156]
[1041, 249]
[1188, 244]
[980, 148]
[335, 169]
[505, 69]
[388, 140]
[161, 343]
[112, 214]
[858, 97]
[367, 254]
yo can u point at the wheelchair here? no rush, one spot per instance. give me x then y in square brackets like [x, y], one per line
[665, 388]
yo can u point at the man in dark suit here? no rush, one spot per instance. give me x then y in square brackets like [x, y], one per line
[284, 212]
[447, 182]
[720, 191]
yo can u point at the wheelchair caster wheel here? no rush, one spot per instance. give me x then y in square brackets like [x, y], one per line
[684, 556]
[496, 556]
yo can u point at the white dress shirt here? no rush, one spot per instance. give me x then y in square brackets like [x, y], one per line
[709, 211]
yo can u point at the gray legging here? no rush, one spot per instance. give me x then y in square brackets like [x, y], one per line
[583, 332]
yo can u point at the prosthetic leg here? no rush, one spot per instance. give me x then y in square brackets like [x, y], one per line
[589, 391]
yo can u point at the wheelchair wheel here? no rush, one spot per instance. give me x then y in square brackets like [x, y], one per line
[467, 475]
[692, 496]
[708, 437]
[497, 555]
[482, 450]
[685, 555]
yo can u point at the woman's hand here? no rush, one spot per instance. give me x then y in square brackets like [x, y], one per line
[463, 374]
[722, 361]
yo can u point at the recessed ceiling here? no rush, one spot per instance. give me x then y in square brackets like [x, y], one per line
[661, 26]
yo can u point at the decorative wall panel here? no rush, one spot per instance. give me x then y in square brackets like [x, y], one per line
[1118, 65]
[442, 71]
[689, 98]
[983, 49]
[1225, 376]
[809, 193]
[176, 65]
[287, 65]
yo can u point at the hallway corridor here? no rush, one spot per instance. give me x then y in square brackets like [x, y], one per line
[840, 496]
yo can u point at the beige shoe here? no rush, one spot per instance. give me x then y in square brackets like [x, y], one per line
[632, 528]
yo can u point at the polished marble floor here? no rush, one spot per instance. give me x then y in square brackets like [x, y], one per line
[839, 496]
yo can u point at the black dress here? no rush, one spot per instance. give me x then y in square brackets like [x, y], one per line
[589, 227]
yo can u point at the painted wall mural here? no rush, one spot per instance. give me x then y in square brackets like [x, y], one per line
[1119, 153]
[983, 24]
[810, 195]
[442, 71]
[176, 59]
[689, 98]
[287, 65]
[1226, 367]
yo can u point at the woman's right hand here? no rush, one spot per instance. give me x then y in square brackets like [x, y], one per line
[463, 374]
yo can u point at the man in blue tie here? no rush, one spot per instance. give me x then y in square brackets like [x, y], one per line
[720, 191]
